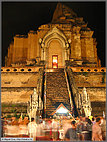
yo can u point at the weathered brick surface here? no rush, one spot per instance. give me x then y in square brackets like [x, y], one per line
[12, 108]
[16, 87]
[95, 94]
[95, 84]
[13, 79]
[90, 79]
[82, 47]
[98, 108]
[16, 95]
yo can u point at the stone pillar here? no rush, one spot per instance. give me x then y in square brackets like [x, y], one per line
[66, 51]
[65, 54]
[42, 54]
[76, 44]
[88, 41]
[42, 51]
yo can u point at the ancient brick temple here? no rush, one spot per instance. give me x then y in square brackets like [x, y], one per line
[59, 60]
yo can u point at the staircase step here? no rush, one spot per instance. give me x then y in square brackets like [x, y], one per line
[56, 90]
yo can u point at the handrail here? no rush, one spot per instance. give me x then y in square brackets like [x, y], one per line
[75, 90]
[35, 103]
[82, 100]
[68, 88]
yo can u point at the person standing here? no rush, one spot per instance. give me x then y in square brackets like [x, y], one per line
[71, 133]
[23, 128]
[93, 121]
[2, 126]
[79, 128]
[96, 131]
[87, 129]
[103, 127]
[32, 126]
[54, 130]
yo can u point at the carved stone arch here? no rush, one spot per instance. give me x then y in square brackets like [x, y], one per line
[52, 36]
[54, 33]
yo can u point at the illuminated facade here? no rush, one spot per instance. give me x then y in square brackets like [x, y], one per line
[66, 42]
[66, 38]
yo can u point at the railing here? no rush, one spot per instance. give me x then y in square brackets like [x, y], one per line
[39, 88]
[36, 103]
[33, 105]
[68, 89]
[20, 69]
[73, 89]
[44, 90]
[35, 69]
[88, 69]
[82, 101]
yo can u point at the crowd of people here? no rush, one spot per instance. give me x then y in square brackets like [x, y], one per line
[75, 129]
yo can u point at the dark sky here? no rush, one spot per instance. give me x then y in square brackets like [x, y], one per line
[21, 17]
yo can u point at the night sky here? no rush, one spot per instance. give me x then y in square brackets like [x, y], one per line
[21, 17]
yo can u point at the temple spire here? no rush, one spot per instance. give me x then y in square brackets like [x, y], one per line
[62, 12]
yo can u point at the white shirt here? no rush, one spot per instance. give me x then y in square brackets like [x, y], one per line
[32, 128]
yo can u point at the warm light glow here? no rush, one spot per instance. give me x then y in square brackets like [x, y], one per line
[62, 110]
[54, 66]
[54, 59]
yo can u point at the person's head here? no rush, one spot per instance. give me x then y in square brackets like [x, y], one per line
[20, 117]
[86, 119]
[80, 118]
[95, 116]
[5, 118]
[32, 119]
[13, 118]
[25, 118]
[93, 119]
[89, 121]
[83, 119]
[40, 121]
[98, 120]
[73, 123]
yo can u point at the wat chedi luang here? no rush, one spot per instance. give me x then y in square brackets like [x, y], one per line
[59, 60]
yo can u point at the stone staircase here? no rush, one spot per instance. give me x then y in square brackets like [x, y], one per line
[56, 90]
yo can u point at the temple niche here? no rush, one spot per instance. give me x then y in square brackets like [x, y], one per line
[65, 40]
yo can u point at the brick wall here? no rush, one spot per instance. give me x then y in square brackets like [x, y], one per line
[16, 95]
[95, 94]
[17, 86]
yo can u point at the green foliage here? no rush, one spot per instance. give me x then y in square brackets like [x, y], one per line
[9, 116]
[17, 116]
[4, 105]
[85, 73]
[24, 115]
[103, 77]
[103, 80]
[13, 105]
[13, 110]
[103, 73]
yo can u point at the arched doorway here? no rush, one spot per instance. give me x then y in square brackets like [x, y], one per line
[55, 49]
[55, 54]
